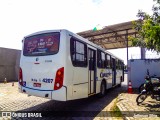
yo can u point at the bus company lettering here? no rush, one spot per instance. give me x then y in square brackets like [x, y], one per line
[104, 74]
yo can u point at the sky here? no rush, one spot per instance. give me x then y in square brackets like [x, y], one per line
[19, 18]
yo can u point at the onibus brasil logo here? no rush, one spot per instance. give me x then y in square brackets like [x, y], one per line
[9, 115]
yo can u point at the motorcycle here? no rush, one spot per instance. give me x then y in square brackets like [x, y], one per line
[149, 89]
[155, 81]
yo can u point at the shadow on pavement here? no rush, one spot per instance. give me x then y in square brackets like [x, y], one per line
[152, 106]
[88, 107]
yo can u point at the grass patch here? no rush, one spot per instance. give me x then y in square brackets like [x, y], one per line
[115, 111]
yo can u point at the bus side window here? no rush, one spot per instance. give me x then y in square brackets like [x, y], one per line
[108, 61]
[120, 64]
[117, 64]
[101, 59]
[78, 51]
[111, 62]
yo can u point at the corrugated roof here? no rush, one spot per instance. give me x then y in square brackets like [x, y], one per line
[111, 37]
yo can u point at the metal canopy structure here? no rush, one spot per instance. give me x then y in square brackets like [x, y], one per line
[111, 37]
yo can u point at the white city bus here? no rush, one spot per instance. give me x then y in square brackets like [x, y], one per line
[61, 65]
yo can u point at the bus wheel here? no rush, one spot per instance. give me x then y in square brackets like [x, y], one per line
[119, 85]
[102, 90]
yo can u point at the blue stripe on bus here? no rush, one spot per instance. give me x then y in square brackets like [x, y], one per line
[37, 89]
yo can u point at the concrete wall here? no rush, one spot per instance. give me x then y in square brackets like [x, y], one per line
[9, 64]
[138, 70]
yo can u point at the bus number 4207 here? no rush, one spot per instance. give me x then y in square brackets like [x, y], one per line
[47, 80]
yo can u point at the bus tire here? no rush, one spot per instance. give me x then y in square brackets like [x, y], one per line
[102, 89]
[119, 85]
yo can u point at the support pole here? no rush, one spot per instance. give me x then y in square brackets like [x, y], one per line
[128, 69]
[143, 53]
[127, 45]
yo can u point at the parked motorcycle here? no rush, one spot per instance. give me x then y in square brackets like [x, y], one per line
[149, 89]
[154, 80]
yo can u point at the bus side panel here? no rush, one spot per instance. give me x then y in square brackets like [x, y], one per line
[78, 75]
[99, 79]
[80, 82]
[109, 79]
[98, 84]
[118, 76]
[68, 78]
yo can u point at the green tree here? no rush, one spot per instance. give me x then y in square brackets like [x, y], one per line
[148, 28]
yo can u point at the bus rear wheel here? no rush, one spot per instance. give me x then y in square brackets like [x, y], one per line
[102, 90]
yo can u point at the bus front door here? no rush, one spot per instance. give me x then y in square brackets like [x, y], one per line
[92, 71]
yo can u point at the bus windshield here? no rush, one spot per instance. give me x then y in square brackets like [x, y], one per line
[41, 44]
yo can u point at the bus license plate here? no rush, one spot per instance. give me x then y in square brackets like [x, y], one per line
[36, 84]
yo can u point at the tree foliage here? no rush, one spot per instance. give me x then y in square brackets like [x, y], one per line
[148, 28]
